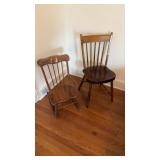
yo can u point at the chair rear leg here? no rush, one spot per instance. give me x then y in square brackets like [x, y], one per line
[89, 93]
[56, 111]
[75, 102]
[81, 83]
[111, 91]
[100, 84]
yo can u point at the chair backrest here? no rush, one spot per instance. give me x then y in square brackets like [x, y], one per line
[54, 69]
[95, 49]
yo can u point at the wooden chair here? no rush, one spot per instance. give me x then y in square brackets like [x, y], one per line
[62, 90]
[95, 53]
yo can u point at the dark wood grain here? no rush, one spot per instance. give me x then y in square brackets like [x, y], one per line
[100, 74]
[97, 130]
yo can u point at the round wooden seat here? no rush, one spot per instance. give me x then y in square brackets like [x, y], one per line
[99, 74]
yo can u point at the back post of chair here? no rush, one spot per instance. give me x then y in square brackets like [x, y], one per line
[95, 49]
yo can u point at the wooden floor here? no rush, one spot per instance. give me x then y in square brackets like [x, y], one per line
[97, 130]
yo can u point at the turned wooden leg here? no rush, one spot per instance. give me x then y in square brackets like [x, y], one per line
[54, 107]
[100, 84]
[56, 111]
[74, 100]
[89, 93]
[111, 91]
[81, 83]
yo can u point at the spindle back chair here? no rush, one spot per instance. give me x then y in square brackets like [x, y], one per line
[95, 53]
[95, 49]
[61, 87]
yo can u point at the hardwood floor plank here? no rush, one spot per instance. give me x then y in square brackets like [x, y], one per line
[97, 130]
[70, 145]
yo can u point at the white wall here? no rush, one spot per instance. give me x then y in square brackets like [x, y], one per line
[58, 28]
[49, 37]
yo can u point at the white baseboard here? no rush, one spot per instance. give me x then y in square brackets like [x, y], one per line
[119, 84]
[42, 92]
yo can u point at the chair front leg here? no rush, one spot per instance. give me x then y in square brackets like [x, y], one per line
[75, 102]
[111, 91]
[89, 93]
[56, 111]
[54, 107]
[81, 83]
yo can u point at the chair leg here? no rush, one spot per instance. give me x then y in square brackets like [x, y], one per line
[89, 93]
[81, 83]
[75, 102]
[54, 107]
[111, 91]
[56, 111]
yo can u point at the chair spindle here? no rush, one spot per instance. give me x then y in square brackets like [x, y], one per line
[45, 78]
[103, 50]
[62, 69]
[90, 54]
[87, 54]
[94, 53]
[98, 54]
[58, 72]
[50, 74]
[54, 73]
